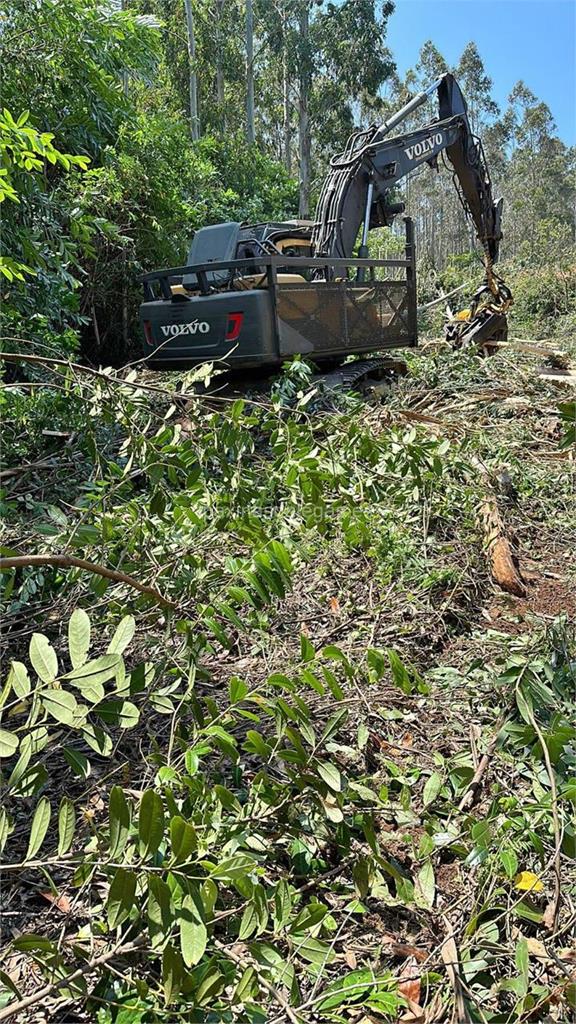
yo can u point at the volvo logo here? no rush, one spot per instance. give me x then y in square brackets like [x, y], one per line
[175, 330]
[422, 148]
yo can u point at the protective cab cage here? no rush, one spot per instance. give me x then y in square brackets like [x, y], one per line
[261, 310]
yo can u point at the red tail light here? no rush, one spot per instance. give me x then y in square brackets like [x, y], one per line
[148, 332]
[234, 326]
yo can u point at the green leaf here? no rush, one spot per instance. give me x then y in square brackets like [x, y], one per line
[150, 822]
[212, 982]
[60, 704]
[237, 689]
[193, 933]
[172, 973]
[19, 679]
[314, 951]
[233, 867]
[521, 958]
[123, 713]
[8, 743]
[78, 762]
[425, 888]
[208, 895]
[307, 652]
[247, 987]
[160, 914]
[361, 876]
[120, 817]
[524, 705]
[4, 828]
[66, 825]
[90, 678]
[509, 862]
[526, 910]
[182, 839]
[78, 637]
[261, 904]
[363, 736]
[123, 635]
[350, 988]
[249, 922]
[99, 740]
[43, 658]
[400, 673]
[330, 775]
[257, 744]
[308, 917]
[40, 823]
[333, 724]
[120, 897]
[376, 662]
[432, 788]
[282, 904]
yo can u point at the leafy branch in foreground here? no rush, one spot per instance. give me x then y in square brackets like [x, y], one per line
[248, 860]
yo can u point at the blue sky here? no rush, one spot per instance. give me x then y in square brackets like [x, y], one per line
[534, 40]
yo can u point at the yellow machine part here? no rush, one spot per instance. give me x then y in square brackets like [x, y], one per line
[293, 243]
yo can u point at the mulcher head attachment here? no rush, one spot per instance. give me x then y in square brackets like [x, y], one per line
[486, 319]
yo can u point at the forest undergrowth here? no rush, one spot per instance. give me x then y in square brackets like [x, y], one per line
[274, 746]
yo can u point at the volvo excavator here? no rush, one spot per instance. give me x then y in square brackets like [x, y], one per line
[253, 295]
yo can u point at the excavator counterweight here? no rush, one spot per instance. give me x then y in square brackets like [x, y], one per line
[251, 295]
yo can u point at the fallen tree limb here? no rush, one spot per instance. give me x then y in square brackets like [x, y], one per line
[533, 348]
[15, 470]
[504, 572]
[70, 562]
[442, 298]
[498, 548]
[137, 385]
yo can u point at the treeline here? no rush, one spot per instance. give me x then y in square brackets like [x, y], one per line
[186, 112]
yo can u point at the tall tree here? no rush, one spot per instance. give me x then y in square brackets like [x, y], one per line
[476, 85]
[250, 130]
[192, 84]
[304, 138]
[219, 48]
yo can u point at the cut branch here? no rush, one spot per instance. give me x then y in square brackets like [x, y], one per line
[497, 544]
[70, 562]
[42, 994]
[471, 794]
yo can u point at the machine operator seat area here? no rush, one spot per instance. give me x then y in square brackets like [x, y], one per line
[220, 243]
[215, 244]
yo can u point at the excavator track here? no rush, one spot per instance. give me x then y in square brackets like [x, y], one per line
[347, 377]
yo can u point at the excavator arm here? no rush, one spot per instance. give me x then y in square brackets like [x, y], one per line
[358, 187]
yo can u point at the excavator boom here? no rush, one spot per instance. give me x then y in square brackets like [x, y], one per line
[358, 187]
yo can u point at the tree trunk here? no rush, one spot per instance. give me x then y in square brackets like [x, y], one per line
[194, 122]
[124, 260]
[219, 68]
[250, 130]
[287, 124]
[303, 116]
[286, 110]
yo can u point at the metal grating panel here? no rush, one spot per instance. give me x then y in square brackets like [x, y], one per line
[344, 316]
